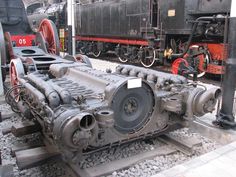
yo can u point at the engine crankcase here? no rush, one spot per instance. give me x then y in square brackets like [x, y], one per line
[80, 107]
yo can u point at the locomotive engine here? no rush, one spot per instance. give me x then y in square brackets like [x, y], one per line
[80, 108]
[163, 32]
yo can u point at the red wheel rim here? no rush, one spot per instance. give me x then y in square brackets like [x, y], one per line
[176, 65]
[49, 33]
[14, 80]
[9, 45]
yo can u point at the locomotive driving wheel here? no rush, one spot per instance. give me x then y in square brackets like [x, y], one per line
[9, 46]
[148, 57]
[179, 65]
[95, 50]
[96, 54]
[121, 53]
[16, 71]
[48, 31]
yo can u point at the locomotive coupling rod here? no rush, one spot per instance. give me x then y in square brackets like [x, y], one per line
[225, 117]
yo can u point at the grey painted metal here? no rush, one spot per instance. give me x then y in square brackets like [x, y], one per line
[83, 109]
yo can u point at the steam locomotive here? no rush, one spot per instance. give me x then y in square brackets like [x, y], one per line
[189, 35]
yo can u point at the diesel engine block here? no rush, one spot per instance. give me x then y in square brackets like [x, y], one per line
[80, 108]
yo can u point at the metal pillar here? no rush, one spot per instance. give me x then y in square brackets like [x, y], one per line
[1, 81]
[225, 116]
[73, 27]
[71, 7]
[69, 25]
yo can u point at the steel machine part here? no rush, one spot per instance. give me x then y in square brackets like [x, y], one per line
[81, 109]
[3, 53]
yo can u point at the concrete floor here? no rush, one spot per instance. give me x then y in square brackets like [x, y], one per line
[218, 163]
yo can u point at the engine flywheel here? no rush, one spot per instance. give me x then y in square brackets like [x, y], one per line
[132, 108]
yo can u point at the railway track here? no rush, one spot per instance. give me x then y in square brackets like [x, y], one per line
[31, 155]
[170, 146]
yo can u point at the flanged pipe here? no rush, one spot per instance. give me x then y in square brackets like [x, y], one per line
[77, 129]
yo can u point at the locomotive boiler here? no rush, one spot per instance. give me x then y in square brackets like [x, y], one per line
[82, 109]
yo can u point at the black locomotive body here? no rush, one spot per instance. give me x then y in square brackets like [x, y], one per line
[190, 35]
[156, 31]
[119, 19]
[136, 18]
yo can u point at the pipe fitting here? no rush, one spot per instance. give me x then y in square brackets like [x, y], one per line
[105, 118]
[206, 102]
[78, 128]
